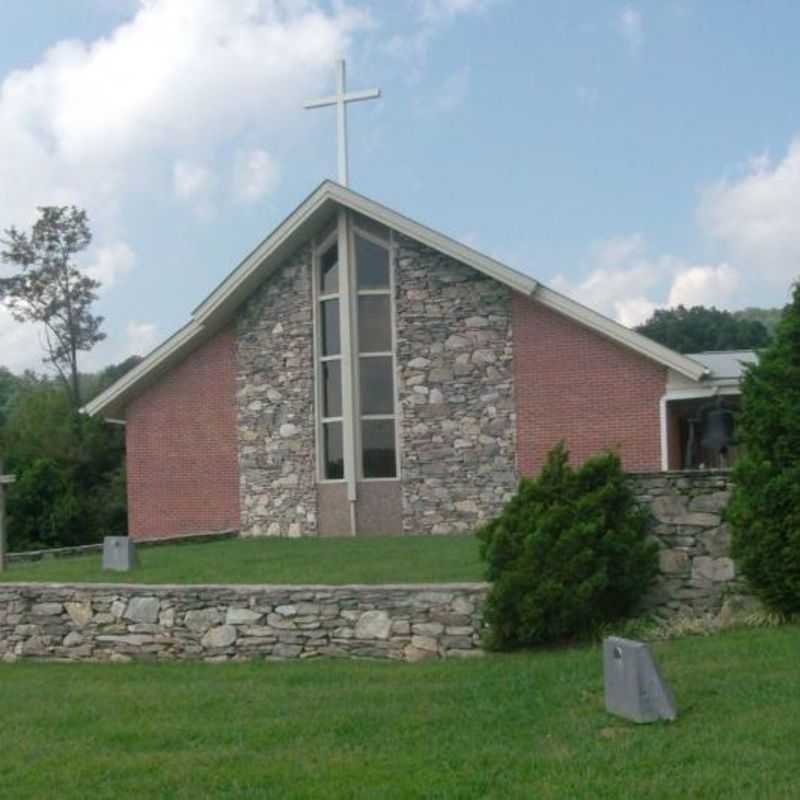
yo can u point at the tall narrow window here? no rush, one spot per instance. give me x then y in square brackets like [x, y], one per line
[375, 358]
[330, 364]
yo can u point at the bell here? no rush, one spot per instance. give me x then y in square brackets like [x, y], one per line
[717, 429]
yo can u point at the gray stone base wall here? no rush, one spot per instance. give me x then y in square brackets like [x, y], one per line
[455, 385]
[108, 622]
[697, 573]
[275, 395]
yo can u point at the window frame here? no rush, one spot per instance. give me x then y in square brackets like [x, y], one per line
[355, 230]
[349, 355]
[319, 248]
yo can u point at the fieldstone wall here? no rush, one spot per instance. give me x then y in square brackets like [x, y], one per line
[108, 622]
[457, 415]
[697, 573]
[275, 393]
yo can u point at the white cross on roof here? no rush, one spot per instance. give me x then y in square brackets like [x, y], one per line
[340, 100]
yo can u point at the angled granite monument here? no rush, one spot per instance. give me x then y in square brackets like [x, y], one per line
[634, 686]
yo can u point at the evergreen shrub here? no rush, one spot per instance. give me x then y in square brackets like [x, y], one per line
[765, 508]
[569, 553]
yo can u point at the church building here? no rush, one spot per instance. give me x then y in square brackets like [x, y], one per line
[361, 374]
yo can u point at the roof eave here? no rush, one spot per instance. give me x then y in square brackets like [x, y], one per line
[619, 333]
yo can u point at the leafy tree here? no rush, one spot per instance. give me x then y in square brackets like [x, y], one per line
[70, 477]
[569, 552]
[692, 330]
[50, 290]
[8, 390]
[765, 508]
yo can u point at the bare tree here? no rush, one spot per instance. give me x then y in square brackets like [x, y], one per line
[49, 289]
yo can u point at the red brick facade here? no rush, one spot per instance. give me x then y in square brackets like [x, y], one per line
[182, 445]
[573, 384]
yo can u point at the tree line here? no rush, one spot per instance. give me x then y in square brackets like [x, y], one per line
[698, 329]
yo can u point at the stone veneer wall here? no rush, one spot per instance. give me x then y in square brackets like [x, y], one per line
[455, 384]
[697, 572]
[110, 622]
[275, 394]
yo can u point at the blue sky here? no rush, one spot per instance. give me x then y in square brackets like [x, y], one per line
[633, 155]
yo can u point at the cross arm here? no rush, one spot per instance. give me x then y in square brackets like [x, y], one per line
[352, 97]
[6, 479]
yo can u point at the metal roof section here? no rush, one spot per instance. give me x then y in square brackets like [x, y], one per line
[726, 365]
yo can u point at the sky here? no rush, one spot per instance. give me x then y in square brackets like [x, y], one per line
[632, 155]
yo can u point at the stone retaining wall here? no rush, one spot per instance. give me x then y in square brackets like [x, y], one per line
[108, 622]
[697, 572]
[111, 622]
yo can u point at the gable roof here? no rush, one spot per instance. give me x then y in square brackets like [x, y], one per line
[304, 222]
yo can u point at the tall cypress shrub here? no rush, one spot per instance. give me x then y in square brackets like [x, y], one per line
[569, 552]
[765, 508]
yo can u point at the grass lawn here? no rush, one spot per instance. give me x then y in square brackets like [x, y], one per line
[521, 726]
[400, 559]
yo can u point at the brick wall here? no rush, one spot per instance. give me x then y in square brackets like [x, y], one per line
[183, 474]
[573, 384]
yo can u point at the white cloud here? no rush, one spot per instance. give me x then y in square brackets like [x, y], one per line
[151, 107]
[756, 218]
[177, 82]
[630, 26]
[619, 293]
[255, 174]
[626, 283]
[142, 337]
[752, 222]
[704, 285]
[110, 263]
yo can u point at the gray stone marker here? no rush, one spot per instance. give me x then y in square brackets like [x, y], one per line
[119, 554]
[634, 686]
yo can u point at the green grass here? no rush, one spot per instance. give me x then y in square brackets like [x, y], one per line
[521, 726]
[401, 559]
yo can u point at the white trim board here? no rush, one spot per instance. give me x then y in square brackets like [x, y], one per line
[301, 226]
